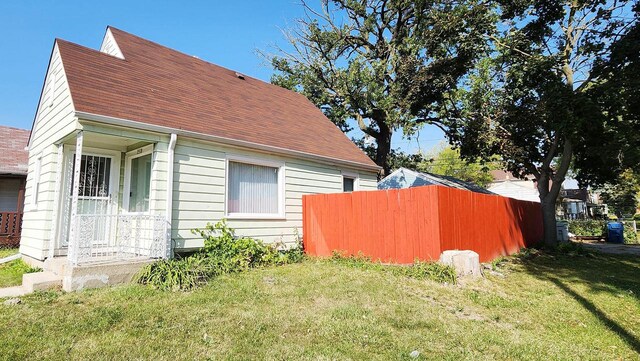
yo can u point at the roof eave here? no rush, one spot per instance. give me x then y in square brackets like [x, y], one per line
[222, 140]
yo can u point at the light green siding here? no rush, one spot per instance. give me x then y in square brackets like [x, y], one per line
[199, 191]
[199, 175]
[54, 119]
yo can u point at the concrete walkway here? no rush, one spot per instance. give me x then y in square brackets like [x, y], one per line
[612, 248]
[12, 292]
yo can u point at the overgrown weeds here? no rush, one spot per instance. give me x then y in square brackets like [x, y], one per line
[222, 253]
[419, 270]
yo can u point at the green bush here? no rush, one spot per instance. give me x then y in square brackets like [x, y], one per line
[222, 253]
[174, 274]
[587, 227]
[630, 236]
[636, 217]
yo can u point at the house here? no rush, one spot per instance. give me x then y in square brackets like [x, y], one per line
[13, 174]
[507, 185]
[407, 178]
[135, 144]
[580, 203]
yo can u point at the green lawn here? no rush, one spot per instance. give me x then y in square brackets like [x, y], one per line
[6, 252]
[546, 308]
[11, 272]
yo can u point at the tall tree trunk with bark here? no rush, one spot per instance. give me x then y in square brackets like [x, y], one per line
[383, 150]
[549, 184]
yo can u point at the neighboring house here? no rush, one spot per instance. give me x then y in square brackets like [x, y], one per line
[580, 203]
[506, 185]
[13, 174]
[136, 144]
[407, 178]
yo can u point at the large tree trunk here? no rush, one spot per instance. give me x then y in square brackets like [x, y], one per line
[549, 192]
[383, 140]
[548, 205]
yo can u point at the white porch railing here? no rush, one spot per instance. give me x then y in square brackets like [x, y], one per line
[120, 237]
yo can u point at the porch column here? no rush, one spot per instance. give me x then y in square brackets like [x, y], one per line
[73, 232]
[53, 239]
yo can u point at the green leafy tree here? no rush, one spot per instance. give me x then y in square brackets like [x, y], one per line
[533, 100]
[388, 65]
[622, 196]
[446, 160]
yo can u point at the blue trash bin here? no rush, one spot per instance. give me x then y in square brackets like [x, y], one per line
[615, 232]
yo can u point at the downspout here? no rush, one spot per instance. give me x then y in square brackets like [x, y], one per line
[169, 208]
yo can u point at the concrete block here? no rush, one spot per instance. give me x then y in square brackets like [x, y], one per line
[40, 281]
[101, 275]
[15, 291]
[56, 265]
[466, 263]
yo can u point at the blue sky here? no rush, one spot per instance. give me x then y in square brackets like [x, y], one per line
[222, 32]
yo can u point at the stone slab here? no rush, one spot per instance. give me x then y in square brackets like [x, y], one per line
[466, 263]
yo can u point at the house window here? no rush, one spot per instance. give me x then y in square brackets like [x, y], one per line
[253, 189]
[349, 182]
[94, 176]
[52, 89]
[9, 190]
[138, 167]
[36, 182]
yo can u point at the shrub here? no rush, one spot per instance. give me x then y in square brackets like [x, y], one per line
[587, 227]
[636, 217]
[630, 236]
[222, 253]
[174, 274]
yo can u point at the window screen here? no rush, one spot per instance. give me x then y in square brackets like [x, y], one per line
[252, 189]
[347, 184]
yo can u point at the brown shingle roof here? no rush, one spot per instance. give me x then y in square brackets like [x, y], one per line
[14, 159]
[160, 86]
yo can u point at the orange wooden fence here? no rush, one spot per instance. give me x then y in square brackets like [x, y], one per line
[402, 225]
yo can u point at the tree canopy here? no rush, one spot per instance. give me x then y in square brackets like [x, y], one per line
[445, 160]
[545, 95]
[387, 64]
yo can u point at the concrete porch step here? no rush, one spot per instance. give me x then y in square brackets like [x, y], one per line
[15, 291]
[40, 281]
[57, 265]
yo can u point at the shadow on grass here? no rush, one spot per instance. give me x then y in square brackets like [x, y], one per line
[599, 273]
[630, 339]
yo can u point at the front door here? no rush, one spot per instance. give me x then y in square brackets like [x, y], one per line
[97, 195]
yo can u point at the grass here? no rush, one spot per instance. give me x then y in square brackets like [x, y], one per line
[537, 306]
[11, 272]
[6, 252]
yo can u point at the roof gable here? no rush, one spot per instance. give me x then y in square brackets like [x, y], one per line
[163, 87]
[406, 178]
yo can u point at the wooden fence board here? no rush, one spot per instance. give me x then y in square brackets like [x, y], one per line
[402, 225]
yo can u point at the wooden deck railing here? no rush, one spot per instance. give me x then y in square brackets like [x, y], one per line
[10, 228]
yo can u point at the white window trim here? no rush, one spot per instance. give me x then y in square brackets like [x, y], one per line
[33, 204]
[52, 89]
[355, 177]
[136, 153]
[114, 180]
[281, 192]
